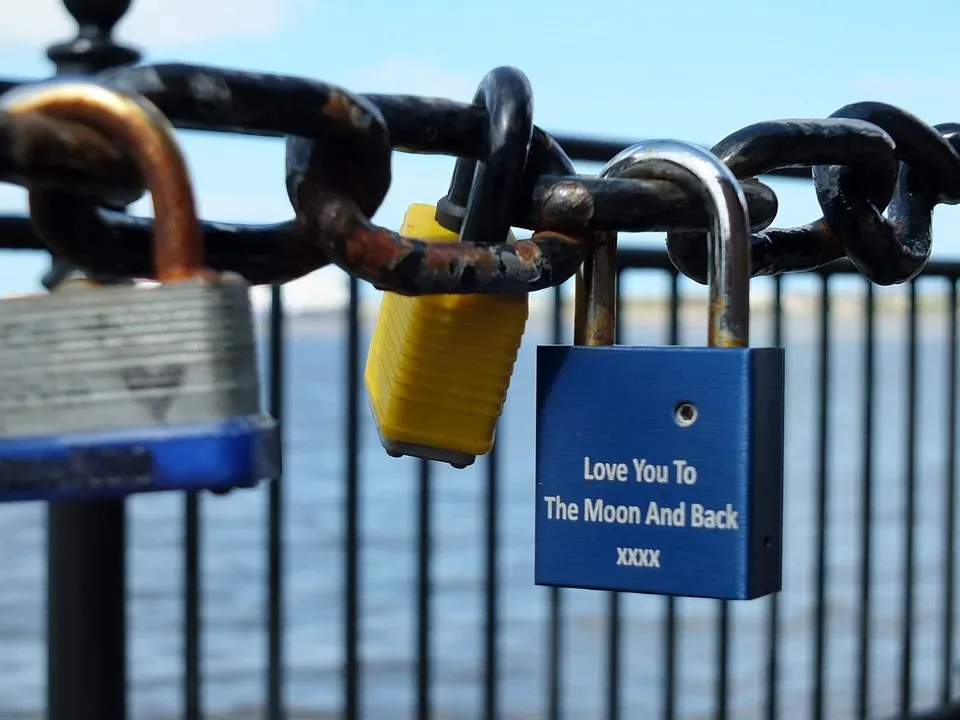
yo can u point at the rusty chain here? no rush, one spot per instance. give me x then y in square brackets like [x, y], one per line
[878, 172]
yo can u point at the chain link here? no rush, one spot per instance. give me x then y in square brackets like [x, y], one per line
[878, 172]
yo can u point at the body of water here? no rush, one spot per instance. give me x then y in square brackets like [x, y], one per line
[234, 560]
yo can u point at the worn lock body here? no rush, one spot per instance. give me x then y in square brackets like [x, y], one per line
[439, 366]
[658, 470]
[110, 390]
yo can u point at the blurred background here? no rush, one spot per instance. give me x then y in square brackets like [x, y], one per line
[693, 70]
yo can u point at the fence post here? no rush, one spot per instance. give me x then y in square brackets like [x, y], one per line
[86, 542]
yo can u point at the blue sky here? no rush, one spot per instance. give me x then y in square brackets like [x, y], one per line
[688, 69]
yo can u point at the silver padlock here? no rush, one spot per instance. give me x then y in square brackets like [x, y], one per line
[108, 390]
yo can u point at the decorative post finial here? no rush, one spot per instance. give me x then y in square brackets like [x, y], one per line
[94, 48]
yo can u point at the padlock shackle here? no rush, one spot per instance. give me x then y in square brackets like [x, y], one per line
[483, 193]
[728, 268]
[150, 139]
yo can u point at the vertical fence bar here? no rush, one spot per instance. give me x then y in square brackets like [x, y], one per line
[86, 541]
[192, 701]
[866, 508]
[613, 656]
[275, 709]
[491, 591]
[723, 661]
[86, 605]
[424, 530]
[950, 522]
[773, 619]
[555, 617]
[820, 571]
[910, 509]
[670, 604]
[351, 599]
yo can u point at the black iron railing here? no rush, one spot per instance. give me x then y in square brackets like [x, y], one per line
[871, 451]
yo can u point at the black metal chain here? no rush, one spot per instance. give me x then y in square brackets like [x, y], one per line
[878, 173]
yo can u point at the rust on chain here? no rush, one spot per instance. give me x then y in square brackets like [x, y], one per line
[408, 266]
[343, 109]
[879, 173]
[149, 138]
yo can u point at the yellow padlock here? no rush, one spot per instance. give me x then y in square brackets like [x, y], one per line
[439, 366]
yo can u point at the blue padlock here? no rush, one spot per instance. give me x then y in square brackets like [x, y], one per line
[111, 390]
[660, 469]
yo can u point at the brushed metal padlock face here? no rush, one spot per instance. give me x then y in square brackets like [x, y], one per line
[660, 470]
[106, 358]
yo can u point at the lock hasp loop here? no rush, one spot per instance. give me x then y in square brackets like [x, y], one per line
[728, 267]
[150, 139]
[482, 194]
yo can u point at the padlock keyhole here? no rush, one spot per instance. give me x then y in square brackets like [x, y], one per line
[685, 414]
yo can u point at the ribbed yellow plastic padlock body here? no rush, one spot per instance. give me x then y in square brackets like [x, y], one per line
[439, 366]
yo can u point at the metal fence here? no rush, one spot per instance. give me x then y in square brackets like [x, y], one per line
[870, 542]
[872, 455]
[865, 627]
